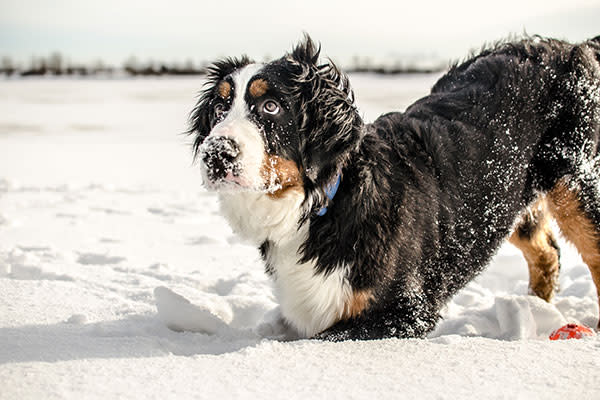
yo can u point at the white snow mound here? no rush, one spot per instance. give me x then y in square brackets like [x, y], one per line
[177, 313]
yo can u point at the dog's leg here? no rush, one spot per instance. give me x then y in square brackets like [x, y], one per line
[534, 237]
[576, 208]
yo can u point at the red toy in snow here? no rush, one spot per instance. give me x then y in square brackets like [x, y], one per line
[571, 331]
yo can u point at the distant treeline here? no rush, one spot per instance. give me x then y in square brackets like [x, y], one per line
[56, 65]
[416, 64]
[397, 70]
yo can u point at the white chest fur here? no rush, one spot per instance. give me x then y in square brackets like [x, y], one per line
[310, 301]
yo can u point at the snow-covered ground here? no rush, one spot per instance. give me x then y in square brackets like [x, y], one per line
[107, 239]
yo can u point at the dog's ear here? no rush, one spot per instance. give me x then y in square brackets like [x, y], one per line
[329, 123]
[200, 118]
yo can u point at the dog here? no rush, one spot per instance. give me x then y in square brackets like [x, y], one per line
[368, 229]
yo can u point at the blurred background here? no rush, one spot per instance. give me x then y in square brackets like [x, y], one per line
[182, 36]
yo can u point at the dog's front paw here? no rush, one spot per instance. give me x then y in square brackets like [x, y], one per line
[330, 336]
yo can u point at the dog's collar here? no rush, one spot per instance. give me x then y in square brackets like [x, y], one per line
[330, 191]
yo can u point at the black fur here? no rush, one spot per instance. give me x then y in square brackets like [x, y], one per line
[328, 124]
[428, 195]
[453, 173]
[264, 250]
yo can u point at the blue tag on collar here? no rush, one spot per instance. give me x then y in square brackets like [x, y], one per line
[330, 191]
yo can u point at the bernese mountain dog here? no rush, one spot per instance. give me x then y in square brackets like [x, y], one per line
[368, 229]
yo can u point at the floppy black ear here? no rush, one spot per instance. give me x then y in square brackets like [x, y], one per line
[330, 126]
[200, 121]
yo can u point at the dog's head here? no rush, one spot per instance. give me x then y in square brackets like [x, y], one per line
[288, 124]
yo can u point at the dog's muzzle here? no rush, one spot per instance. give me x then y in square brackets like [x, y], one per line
[220, 156]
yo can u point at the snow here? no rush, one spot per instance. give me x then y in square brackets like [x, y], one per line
[119, 277]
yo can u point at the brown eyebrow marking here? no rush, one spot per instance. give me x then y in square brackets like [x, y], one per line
[258, 88]
[224, 89]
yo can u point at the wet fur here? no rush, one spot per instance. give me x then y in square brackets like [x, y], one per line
[428, 196]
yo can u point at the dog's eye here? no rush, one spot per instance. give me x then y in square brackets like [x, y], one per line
[271, 107]
[219, 110]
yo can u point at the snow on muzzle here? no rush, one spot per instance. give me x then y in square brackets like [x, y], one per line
[220, 160]
[233, 157]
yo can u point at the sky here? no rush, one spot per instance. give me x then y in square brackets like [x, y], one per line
[178, 30]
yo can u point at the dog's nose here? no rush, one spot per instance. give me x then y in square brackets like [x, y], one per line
[220, 147]
[219, 154]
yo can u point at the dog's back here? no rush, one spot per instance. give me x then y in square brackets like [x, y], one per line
[516, 126]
